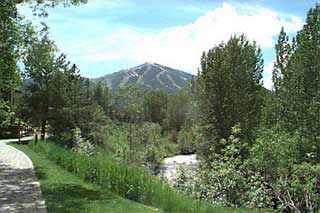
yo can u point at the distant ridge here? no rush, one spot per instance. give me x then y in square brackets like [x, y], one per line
[149, 76]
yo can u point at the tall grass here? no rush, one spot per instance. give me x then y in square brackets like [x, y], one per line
[130, 182]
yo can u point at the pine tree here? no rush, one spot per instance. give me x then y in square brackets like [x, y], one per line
[40, 69]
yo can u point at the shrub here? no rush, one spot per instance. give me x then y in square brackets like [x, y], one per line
[81, 145]
[273, 153]
[187, 140]
[99, 134]
[299, 191]
[225, 180]
[145, 146]
[294, 187]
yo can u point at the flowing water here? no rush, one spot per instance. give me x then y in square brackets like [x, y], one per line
[170, 166]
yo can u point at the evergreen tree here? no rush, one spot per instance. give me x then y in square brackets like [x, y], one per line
[74, 106]
[40, 69]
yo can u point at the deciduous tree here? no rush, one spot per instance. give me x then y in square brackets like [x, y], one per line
[229, 90]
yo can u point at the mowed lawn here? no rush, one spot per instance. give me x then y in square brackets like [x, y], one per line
[65, 192]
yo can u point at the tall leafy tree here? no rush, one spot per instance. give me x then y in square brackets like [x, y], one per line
[127, 104]
[128, 107]
[9, 49]
[297, 84]
[229, 90]
[155, 106]
[14, 32]
[177, 110]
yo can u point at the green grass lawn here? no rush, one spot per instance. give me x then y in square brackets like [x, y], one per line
[65, 192]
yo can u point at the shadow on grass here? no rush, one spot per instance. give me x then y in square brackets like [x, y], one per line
[40, 172]
[72, 197]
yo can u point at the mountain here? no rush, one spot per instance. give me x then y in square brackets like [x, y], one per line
[149, 76]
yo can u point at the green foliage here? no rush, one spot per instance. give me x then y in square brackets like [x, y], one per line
[40, 67]
[296, 76]
[269, 178]
[270, 109]
[149, 146]
[177, 111]
[187, 140]
[102, 96]
[130, 182]
[299, 191]
[275, 157]
[81, 145]
[115, 139]
[11, 43]
[155, 106]
[5, 114]
[57, 94]
[146, 146]
[14, 35]
[225, 180]
[274, 153]
[127, 104]
[228, 89]
[10, 122]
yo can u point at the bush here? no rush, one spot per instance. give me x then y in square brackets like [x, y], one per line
[299, 191]
[270, 178]
[127, 181]
[273, 153]
[187, 140]
[81, 145]
[145, 145]
[225, 180]
[294, 187]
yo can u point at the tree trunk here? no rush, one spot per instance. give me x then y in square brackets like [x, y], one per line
[318, 152]
[36, 138]
[130, 140]
[43, 130]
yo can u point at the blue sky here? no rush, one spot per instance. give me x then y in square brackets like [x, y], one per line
[105, 36]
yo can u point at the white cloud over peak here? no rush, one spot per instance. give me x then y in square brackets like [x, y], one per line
[181, 46]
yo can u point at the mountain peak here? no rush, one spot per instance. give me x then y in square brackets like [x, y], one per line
[149, 75]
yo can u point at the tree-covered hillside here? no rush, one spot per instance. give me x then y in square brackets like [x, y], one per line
[149, 76]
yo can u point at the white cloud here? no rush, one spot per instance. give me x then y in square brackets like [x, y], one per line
[181, 46]
[267, 80]
[107, 4]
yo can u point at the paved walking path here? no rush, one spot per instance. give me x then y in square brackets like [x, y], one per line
[19, 187]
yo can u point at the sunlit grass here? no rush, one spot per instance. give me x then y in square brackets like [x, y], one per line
[66, 192]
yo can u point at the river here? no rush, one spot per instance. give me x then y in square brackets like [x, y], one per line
[171, 165]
